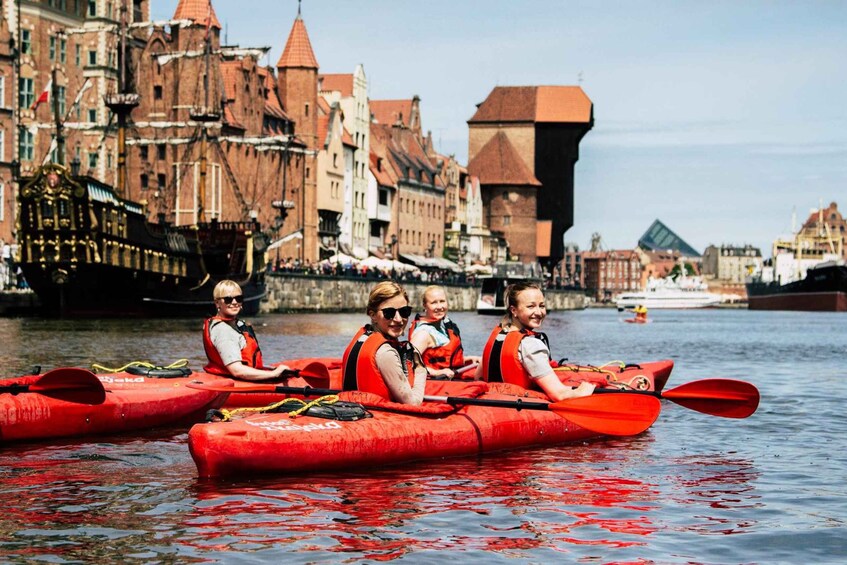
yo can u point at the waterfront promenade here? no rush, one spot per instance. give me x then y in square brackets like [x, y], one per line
[294, 292]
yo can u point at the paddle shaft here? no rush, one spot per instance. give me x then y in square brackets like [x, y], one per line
[518, 404]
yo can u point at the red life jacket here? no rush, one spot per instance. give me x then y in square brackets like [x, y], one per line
[501, 362]
[451, 355]
[359, 370]
[251, 355]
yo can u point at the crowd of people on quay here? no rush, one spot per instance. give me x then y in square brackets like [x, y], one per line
[363, 270]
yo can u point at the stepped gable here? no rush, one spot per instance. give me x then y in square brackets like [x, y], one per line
[298, 49]
[498, 163]
[342, 83]
[197, 10]
[391, 112]
[547, 104]
[273, 106]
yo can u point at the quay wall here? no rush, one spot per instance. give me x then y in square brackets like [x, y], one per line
[300, 293]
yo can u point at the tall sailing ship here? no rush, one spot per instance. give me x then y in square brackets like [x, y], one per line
[87, 249]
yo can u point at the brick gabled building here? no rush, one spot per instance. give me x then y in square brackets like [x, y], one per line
[523, 143]
[256, 158]
[8, 194]
[418, 207]
[609, 273]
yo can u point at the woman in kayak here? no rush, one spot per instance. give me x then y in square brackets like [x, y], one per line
[437, 337]
[230, 343]
[376, 360]
[516, 353]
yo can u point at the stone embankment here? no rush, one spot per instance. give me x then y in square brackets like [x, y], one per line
[295, 293]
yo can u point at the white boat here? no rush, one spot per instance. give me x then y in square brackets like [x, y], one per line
[682, 292]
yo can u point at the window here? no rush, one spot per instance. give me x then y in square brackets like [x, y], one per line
[507, 220]
[2, 91]
[52, 48]
[92, 160]
[26, 94]
[161, 180]
[383, 198]
[143, 153]
[306, 110]
[26, 42]
[136, 11]
[145, 182]
[157, 92]
[2, 202]
[78, 55]
[92, 115]
[2, 145]
[92, 8]
[160, 151]
[92, 57]
[63, 50]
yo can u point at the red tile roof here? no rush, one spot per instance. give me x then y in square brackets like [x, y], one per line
[403, 155]
[381, 173]
[298, 49]
[547, 104]
[498, 162]
[347, 139]
[198, 11]
[323, 105]
[323, 129]
[390, 112]
[343, 83]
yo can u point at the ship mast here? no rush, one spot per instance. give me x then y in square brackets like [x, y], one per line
[204, 115]
[122, 103]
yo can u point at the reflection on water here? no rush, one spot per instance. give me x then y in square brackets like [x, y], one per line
[695, 488]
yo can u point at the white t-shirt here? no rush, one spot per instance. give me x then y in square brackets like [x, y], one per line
[228, 341]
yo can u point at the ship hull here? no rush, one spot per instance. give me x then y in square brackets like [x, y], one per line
[823, 290]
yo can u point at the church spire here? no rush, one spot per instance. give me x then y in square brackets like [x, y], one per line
[298, 49]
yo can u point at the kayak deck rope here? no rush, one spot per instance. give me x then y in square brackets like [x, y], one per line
[178, 364]
[298, 407]
[637, 382]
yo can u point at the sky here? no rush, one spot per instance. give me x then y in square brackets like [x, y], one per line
[723, 119]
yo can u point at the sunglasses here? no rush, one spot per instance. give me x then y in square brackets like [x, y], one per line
[238, 299]
[389, 313]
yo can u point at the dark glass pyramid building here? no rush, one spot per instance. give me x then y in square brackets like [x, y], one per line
[660, 237]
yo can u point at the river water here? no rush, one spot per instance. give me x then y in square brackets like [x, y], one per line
[693, 489]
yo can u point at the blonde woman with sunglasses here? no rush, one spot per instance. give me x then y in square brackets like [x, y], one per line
[376, 360]
[230, 343]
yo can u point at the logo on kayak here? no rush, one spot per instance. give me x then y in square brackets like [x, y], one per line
[289, 426]
[108, 379]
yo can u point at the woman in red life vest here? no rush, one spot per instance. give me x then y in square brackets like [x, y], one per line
[230, 343]
[517, 353]
[376, 360]
[437, 337]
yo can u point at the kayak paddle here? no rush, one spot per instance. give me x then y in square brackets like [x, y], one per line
[65, 383]
[314, 373]
[727, 398]
[617, 414]
[614, 415]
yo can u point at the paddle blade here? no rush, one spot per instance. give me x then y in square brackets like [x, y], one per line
[71, 384]
[727, 398]
[611, 414]
[316, 374]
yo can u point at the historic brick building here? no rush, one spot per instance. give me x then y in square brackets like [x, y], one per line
[609, 273]
[523, 144]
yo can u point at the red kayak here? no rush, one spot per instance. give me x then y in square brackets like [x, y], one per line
[74, 402]
[473, 418]
[638, 376]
